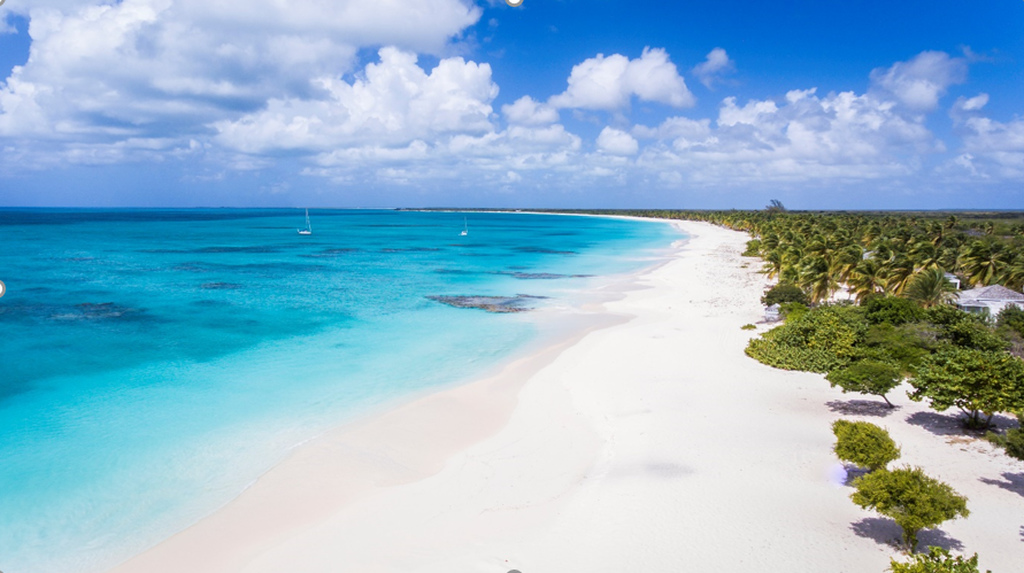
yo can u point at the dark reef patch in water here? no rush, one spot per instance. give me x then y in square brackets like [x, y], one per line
[214, 250]
[543, 251]
[191, 268]
[541, 276]
[97, 311]
[210, 303]
[221, 286]
[496, 304]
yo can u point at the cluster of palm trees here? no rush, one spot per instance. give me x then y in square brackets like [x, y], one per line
[897, 254]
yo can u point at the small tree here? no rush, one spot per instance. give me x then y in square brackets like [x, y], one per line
[864, 444]
[784, 292]
[911, 498]
[976, 381]
[867, 377]
[937, 560]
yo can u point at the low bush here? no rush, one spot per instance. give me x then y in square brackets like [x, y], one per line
[864, 444]
[937, 560]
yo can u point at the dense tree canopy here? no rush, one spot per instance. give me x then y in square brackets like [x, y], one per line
[975, 381]
[877, 252]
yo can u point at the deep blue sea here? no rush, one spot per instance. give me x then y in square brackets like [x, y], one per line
[153, 363]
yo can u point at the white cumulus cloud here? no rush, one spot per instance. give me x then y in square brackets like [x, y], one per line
[921, 81]
[991, 149]
[617, 142]
[134, 70]
[395, 102]
[527, 111]
[609, 83]
[716, 64]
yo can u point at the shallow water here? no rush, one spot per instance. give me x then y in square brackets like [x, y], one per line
[155, 362]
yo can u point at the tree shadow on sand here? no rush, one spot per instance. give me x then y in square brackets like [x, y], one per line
[885, 532]
[938, 424]
[953, 424]
[1010, 482]
[861, 408]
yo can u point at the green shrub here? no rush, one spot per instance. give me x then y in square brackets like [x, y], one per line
[793, 310]
[973, 334]
[946, 315]
[911, 498]
[1015, 443]
[784, 292]
[864, 444]
[1012, 318]
[748, 327]
[820, 340]
[753, 248]
[867, 377]
[905, 345]
[937, 560]
[893, 310]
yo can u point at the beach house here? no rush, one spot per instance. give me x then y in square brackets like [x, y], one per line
[989, 299]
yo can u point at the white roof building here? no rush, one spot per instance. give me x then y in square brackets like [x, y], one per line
[989, 299]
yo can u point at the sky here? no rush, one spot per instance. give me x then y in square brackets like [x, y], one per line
[860, 104]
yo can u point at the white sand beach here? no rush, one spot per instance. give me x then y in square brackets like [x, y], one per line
[647, 443]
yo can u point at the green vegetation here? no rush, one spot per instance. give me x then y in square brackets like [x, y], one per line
[748, 327]
[1012, 318]
[867, 377]
[1012, 441]
[930, 287]
[818, 341]
[911, 498]
[877, 253]
[937, 560]
[891, 310]
[975, 381]
[864, 444]
[783, 293]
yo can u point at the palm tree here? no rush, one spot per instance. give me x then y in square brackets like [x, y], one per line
[924, 255]
[898, 273]
[1013, 275]
[930, 287]
[983, 262]
[867, 278]
[817, 278]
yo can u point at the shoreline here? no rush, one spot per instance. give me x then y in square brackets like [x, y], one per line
[377, 449]
[650, 443]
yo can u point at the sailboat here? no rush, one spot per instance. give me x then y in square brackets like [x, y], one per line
[465, 229]
[308, 230]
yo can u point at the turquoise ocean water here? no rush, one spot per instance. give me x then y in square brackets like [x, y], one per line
[155, 362]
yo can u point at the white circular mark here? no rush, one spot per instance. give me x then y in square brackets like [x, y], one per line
[3, 288]
[512, 3]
